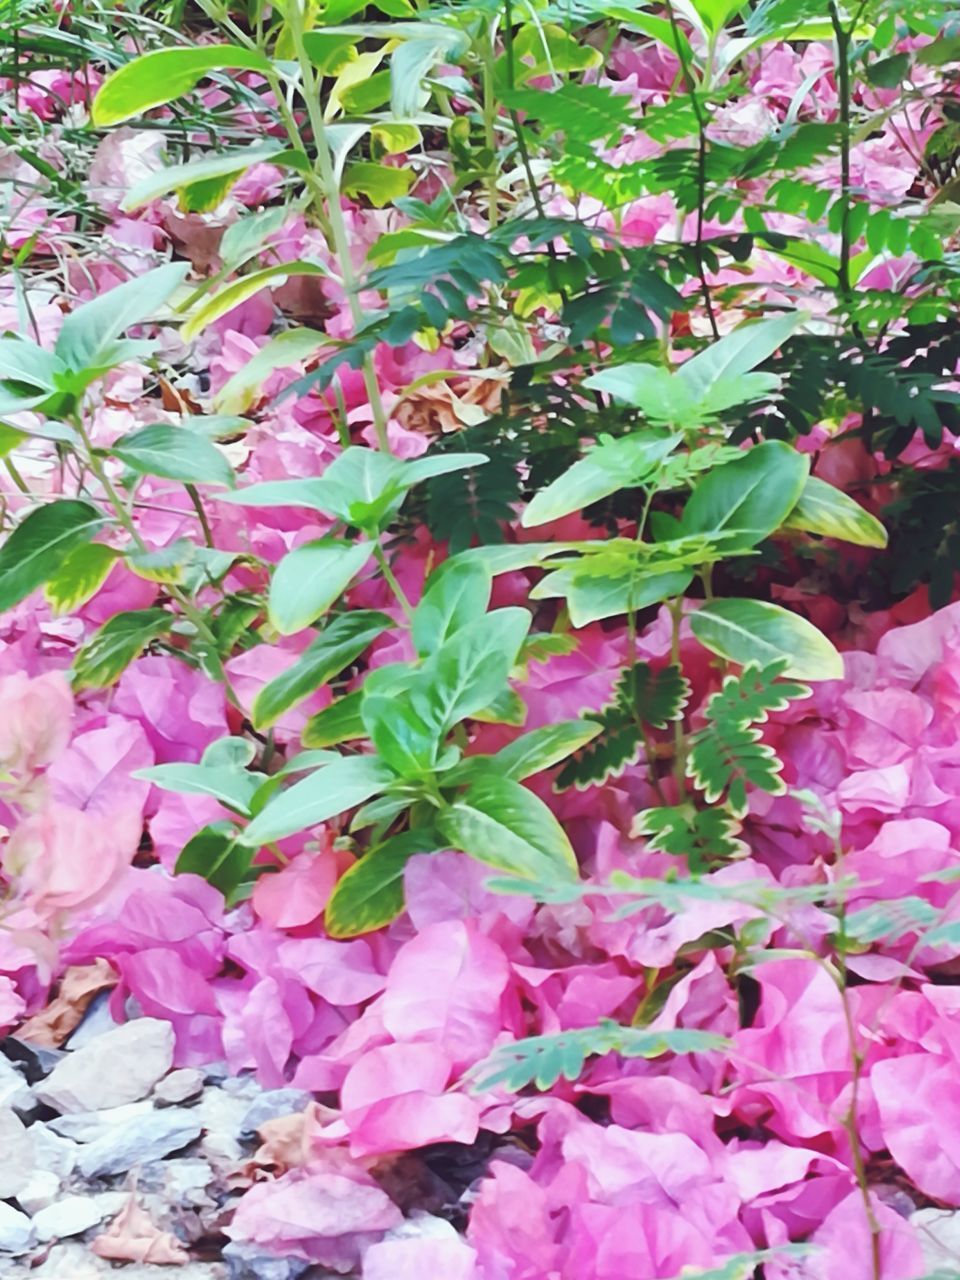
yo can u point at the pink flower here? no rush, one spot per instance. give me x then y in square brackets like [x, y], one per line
[35, 720]
[63, 858]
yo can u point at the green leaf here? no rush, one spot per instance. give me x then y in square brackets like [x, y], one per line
[607, 468]
[156, 78]
[703, 837]
[223, 776]
[176, 453]
[716, 13]
[222, 164]
[500, 822]
[215, 854]
[403, 739]
[238, 291]
[455, 594]
[110, 650]
[543, 1060]
[242, 391]
[323, 795]
[36, 549]
[370, 894]
[753, 631]
[831, 513]
[470, 669]
[28, 374]
[414, 59]
[750, 497]
[593, 592]
[380, 183]
[80, 575]
[88, 333]
[541, 748]
[340, 722]
[341, 641]
[309, 579]
[737, 354]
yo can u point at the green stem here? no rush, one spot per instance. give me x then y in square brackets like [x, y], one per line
[201, 514]
[15, 475]
[338, 227]
[489, 131]
[842, 37]
[391, 580]
[679, 738]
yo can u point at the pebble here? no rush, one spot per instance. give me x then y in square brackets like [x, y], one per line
[51, 1152]
[74, 1261]
[18, 1160]
[42, 1189]
[88, 1126]
[245, 1263]
[271, 1106]
[14, 1090]
[146, 1138]
[221, 1115]
[69, 1216]
[36, 1061]
[119, 1066]
[16, 1230]
[179, 1086]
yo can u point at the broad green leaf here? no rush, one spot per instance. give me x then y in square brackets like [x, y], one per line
[215, 854]
[500, 822]
[176, 453]
[88, 333]
[311, 578]
[370, 894]
[470, 669]
[609, 467]
[340, 722]
[36, 549]
[221, 164]
[830, 512]
[110, 650]
[716, 13]
[233, 786]
[455, 594]
[745, 631]
[413, 60]
[80, 575]
[592, 594]
[27, 371]
[737, 353]
[341, 641]
[750, 497]
[381, 184]
[242, 391]
[543, 748]
[660, 394]
[323, 795]
[156, 78]
[402, 738]
[238, 291]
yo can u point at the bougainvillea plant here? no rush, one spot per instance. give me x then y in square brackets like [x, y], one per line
[479, 535]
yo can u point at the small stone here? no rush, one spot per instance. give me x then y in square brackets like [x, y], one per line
[271, 1106]
[42, 1189]
[244, 1262]
[146, 1138]
[117, 1067]
[221, 1115]
[18, 1159]
[36, 1061]
[179, 1086]
[95, 1022]
[179, 1182]
[70, 1216]
[88, 1126]
[16, 1230]
[14, 1090]
[58, 1155]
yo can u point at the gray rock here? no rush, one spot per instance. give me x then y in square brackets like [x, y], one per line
[58, 1155]
[74, 1261]
[16, 1230]
[179, 1086]
[14, 1090]
[88, 1126]
[18, 1159]
[42, 1189]
[271, 1106]
[117, 1067]
[244, 1262]
[34, 1060]
[146, 1138]
[179, 1182]
[95, 1022]
[938, 1231]
[221, 1115]
[69, 1216]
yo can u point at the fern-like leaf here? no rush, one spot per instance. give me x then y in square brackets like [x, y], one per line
[702, 836]
[543, 1060]
[641, 696]
[728, 755]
